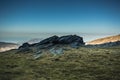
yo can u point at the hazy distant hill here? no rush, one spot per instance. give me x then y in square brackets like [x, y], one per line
[104, 40]
[4, 46]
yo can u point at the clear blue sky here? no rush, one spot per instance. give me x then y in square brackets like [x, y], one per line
[84, 16]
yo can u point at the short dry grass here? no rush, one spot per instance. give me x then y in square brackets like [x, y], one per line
[74, 64]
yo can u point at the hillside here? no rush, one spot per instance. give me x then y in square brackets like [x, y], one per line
[4, 46]
[60, 58]
[104, 40]
[75, 64]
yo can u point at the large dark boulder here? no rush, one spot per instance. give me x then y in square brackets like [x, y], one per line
[55, 51]
[52, 39]
[25, 48]
[73, 40]
[70, 39]
[25, 45]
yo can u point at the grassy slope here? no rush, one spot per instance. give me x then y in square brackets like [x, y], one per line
[74, 64]
[105, 40]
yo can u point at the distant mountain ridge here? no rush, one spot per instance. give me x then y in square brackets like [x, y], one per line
[5, 46]
[104, 40]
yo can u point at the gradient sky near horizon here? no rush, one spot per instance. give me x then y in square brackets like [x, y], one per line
[63, 16]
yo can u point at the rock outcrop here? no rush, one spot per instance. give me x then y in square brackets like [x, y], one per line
[25, 48]
[110, 44]
[105, 45]
[37, 54]
[25, 45]
[56, 51]
[55, 44]
[49, 40]
[72, 40]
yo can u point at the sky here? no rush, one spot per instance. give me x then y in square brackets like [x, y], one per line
[25, 19]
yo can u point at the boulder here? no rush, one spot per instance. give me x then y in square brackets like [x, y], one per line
[73, 40]
[25, 45]
[37, 54]
[45, 46]
[70, 39]
[75, 44]
[25, 48]
[56, 51]
[49, 40]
